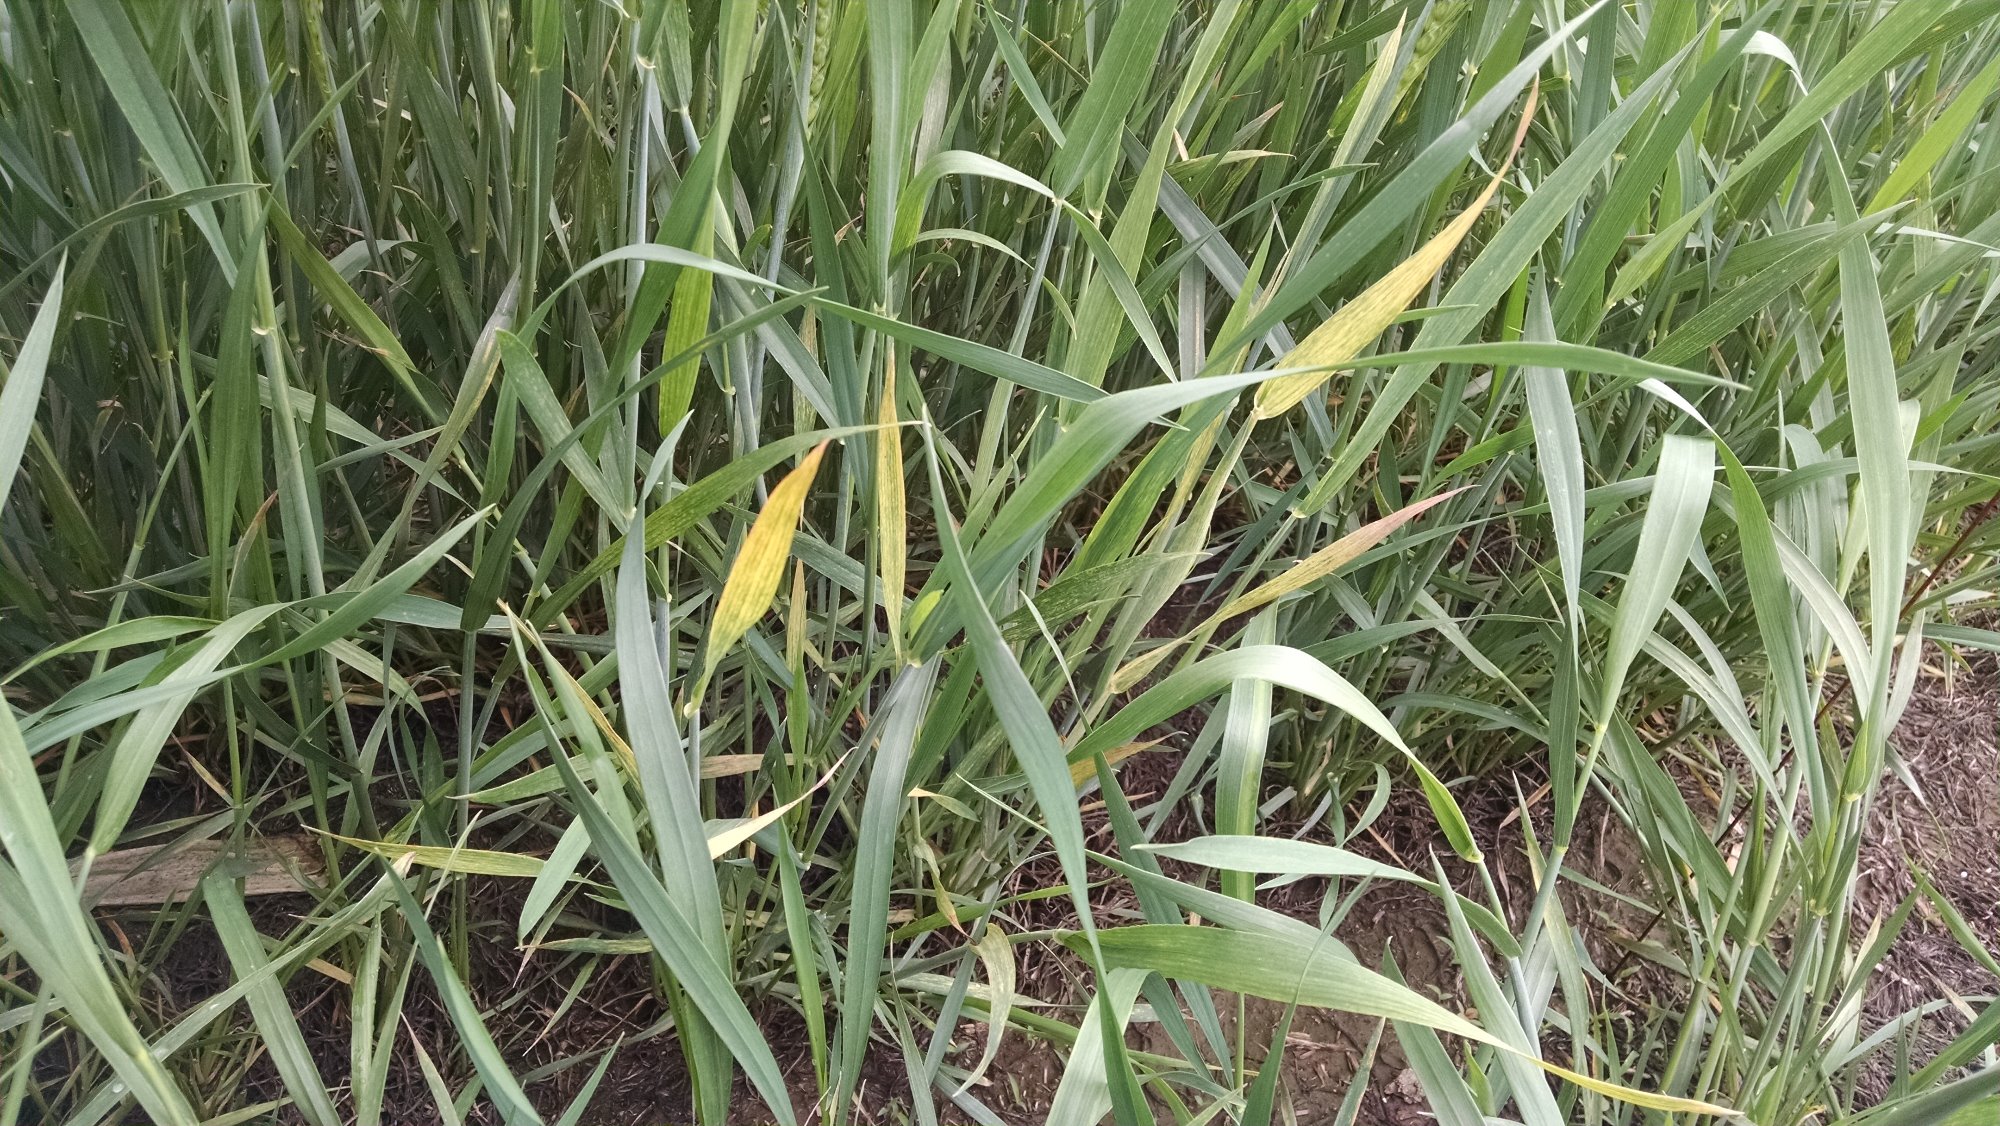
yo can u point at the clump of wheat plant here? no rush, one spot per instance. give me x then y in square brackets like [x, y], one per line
[750, 478]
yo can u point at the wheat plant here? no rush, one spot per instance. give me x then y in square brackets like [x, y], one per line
[739, 486]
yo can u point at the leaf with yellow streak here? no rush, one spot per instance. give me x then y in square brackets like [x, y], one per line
[890, 518]
[753, 578]
[1297, 577]
[1342, 337]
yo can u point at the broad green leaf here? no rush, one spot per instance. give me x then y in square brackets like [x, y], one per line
[1882, 446]
[129, 213]
[44, 922]
[673, 936]
[658, 753]
[1558, 454]
[1285, 667]
[136, 631]
[531, 388]
[128, 73]
[352, 309]
[279, 1028]
[21, 395]
[897, 721]
[1279, 856]
[1672, 528]
[1937, 141]
[1091, 134]
[1240, 760]
[1083, 1094]
[1293, 971]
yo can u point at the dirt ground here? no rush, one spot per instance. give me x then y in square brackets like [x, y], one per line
[1945, 820]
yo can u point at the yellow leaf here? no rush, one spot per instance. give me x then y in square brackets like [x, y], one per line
[328, 969]
[753, 578]
[945, 906]
[1361, 320]
[721, 843]
[795, 620]
[1081, 772]
[1297, 577]
[465, 861]
[1328, 559]
[1357, 323]
[728, 766]
[997, 954]
[892, 534]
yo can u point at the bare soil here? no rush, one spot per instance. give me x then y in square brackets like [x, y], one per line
[1943, 821]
